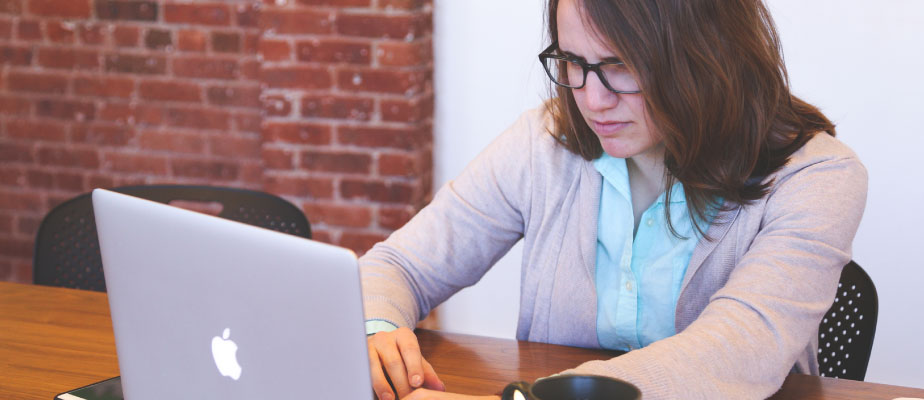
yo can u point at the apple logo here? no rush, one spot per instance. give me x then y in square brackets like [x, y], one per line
[224, 351]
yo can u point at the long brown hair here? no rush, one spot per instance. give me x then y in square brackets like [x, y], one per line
[716, 89]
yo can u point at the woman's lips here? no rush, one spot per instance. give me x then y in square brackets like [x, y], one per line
[604, 128]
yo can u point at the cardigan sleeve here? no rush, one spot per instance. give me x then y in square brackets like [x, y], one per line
[754, 328]
[450, 244]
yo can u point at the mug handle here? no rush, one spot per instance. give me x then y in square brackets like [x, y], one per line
[513, 388]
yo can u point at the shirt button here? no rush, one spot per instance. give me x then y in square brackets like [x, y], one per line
[629, 286]
[650, 222]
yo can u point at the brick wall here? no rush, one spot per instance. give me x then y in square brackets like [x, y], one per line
[326, 102]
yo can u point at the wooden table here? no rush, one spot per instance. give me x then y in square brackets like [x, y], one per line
[53, 340]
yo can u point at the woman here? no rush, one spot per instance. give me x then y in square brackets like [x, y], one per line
[674, 198]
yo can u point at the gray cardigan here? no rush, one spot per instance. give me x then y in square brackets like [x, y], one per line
[750, 302]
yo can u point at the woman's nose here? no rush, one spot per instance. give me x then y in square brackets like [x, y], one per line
[598, 96]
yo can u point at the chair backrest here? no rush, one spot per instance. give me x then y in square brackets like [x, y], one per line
[845, 335]
[67, 249]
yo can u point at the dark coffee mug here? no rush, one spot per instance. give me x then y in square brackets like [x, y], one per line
[573, 387]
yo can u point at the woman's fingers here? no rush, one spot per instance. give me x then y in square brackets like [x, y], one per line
[431, 380]
[392, 362]
[410, 352]
[379, 382]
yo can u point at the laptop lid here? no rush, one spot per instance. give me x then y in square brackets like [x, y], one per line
[204, 307]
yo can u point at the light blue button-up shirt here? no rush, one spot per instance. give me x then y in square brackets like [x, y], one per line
[638, 279]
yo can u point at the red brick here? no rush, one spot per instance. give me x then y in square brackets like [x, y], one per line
[104, 87]
[60, 8]
[28, 225]
[350, 163]
[279, 159]
[360, 242]
[235, 146]
[394, 217]
[102, 135]
[398, 165]
[16, 152]
[36, 130]
[39, 179]
[351, 108]
[383, 81]
[386, 192]
[275, 50]
[405, 139]
[250, 122]
[277, 106]
[6, 28]
[235, 96]
[300, 186]
[336, 3]
[68, 157]
[126, 162]
[116, 112]
[216, 14]
[15, 55]
[198, 118]
[136, 64]
[400, 54]
[402, 26]
[16, 247]
[11, 7]
[403, 4]
[10, 176]
[172, 142]
[191, 40]
[92, 34]
[68, 58]
[170, 91]
[248, 16]
[411, 111]
[127, 10]
[288, 21]
[158, 39]
[340, 215]
[29, 30]
[66, 109]
[297, 77]
[297, 133]
[206, 169]
[148, 115]
[57, 32]
[126, 36]
[226, 42]
[6, 221]
[251, 43]
[65, 181]
[100, 181]
[206, 67]
[251, 69]
[15, 106]
[334, 51]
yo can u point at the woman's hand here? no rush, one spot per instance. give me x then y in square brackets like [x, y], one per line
[397, 354]
[424, 394]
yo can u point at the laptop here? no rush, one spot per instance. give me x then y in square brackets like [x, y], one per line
[204, 307]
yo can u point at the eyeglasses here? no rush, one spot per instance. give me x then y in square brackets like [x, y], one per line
[571, 72]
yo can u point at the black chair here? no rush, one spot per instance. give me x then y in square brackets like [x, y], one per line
[845, 335]
[67, 248]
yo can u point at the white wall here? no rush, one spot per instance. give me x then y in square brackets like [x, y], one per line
[862, 62]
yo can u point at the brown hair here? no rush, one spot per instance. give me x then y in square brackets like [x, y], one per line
[716, 89]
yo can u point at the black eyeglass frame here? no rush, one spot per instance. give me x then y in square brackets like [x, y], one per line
[549, 53]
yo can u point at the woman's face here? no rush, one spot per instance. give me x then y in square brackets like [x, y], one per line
[619, 120]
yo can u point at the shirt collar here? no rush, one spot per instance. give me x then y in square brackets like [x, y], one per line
[616, 173]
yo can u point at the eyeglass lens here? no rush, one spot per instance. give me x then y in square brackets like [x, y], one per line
[571, 74]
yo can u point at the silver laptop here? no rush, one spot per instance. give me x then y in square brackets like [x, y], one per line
[204, 307]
